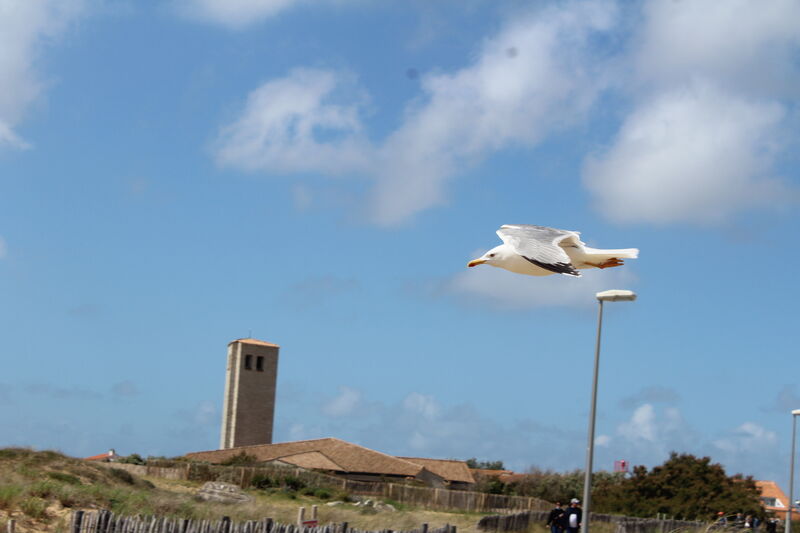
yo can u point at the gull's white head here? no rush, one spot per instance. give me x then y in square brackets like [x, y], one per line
[494, 257]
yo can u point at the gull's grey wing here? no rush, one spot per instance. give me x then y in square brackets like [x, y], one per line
[541, 245]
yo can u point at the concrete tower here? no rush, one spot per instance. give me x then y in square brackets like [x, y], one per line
[249, 406]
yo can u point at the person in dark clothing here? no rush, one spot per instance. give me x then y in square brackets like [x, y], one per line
[556, 519]
[772, 525]
[573, 516]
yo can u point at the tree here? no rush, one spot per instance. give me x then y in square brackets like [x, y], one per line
[685, 486]
[472, 462]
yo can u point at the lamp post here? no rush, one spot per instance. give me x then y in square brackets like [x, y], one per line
[795, 414]
[605, 296]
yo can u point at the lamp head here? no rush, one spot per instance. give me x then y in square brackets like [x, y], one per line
[796, 412]
[616, 295]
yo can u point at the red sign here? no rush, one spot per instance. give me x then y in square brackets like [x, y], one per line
[310, 523]
[621, 466]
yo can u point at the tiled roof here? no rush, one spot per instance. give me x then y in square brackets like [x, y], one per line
[448, 469]
[346, 456]
[311, 460]
[770, 489]
[102, 457]
[256, 342]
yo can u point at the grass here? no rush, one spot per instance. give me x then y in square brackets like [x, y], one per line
[40, 489]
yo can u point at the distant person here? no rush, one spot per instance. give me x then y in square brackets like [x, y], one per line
[739, 520]
[721, 520]
[573, 516]
[556, 519]
[748, 522]
[772, 526]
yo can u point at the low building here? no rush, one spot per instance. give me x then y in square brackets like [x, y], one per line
[345, 459]
[773, 498]
[109, 457]
[456, 474]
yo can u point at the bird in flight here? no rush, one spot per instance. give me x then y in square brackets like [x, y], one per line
[541, 251]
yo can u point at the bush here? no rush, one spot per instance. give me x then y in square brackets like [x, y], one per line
[69, 479]
[293, 483]
[34, 507]
[122, 475]
[261, 482]
[9, 495]
[132, 459]
[43, 489]
[322, 494]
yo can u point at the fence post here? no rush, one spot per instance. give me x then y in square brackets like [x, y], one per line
[301, 516]
[77, 521]
[344, 527]
[11, 525]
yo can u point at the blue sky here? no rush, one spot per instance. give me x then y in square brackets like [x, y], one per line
[180, 174]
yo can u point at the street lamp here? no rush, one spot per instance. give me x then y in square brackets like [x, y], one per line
[605, 296]
[795, 413]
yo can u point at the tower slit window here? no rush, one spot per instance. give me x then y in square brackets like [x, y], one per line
[248, 362]
[260, 363]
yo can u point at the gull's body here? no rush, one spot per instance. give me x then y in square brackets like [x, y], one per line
[541, 251]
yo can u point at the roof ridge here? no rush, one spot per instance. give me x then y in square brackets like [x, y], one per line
[432, 459]
[395, 457]
[325, 455]
[260, 445]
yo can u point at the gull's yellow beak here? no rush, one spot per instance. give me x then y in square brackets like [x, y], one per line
[476, 262]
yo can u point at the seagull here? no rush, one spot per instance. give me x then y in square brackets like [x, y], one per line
[541, 251]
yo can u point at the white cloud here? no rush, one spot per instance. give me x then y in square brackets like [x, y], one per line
[706, 131]
[25, 28]
[234, 14]
[512, 291]
[652, 433]
[603, 440]
[748, 438]
[641, 426]
[701, 143]
[421, 404]
[344, 404]
[697, 154]
[681, 41]
[535, 76]
[293, 125]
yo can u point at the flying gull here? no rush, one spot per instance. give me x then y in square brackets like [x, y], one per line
[541, 251]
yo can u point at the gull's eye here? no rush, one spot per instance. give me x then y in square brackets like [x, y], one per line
[491, 255]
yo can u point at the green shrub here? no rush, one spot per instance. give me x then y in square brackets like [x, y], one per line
[43, 489]
[9, 495]
[122, 475]
[261, 482]
[63, 477]
[293, 483]
[241, 459]
[132, 459]
[322, 493]
[13, 453]
[34, 507]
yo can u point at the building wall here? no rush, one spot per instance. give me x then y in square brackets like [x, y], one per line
[249, 404]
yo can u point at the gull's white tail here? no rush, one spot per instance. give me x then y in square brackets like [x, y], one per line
[624, 253]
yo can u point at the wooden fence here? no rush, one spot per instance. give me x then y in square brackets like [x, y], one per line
[108, 522]
[425, 497]
[624, 524]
